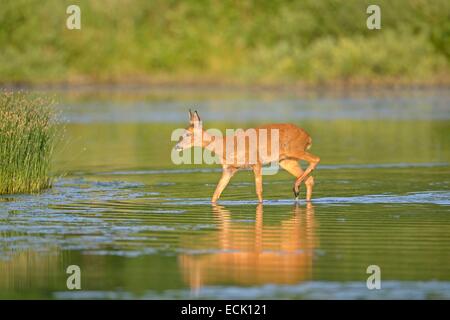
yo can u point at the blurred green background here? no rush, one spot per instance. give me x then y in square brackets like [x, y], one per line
[224, 41]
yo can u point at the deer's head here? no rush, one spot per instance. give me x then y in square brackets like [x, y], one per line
[192, 135]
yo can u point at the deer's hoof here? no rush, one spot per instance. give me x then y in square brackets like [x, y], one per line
[296, 193]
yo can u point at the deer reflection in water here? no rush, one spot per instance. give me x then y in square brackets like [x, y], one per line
[253, 254]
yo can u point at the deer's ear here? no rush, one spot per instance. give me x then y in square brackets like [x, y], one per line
[196, 117]
[190, 115]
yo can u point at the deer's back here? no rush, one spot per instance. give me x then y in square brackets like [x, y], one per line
[292, 143]
[292, 139]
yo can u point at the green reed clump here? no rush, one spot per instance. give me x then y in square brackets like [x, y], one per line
[27, 135]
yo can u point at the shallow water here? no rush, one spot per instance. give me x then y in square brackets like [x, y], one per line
[141, 227]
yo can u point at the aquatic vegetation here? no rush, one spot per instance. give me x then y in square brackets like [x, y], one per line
[27, 135]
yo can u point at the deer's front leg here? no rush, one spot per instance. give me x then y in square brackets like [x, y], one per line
[227, 173]
[257, 170]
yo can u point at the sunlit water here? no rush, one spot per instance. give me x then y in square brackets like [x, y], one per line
[141, 227]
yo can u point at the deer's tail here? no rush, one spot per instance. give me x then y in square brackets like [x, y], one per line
[309, 144]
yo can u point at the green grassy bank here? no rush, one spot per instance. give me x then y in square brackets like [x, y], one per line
[306, 41]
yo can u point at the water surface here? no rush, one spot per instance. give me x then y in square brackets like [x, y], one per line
[141, 227]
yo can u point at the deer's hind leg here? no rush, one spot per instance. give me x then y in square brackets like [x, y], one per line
[293, 167]
[313, 162]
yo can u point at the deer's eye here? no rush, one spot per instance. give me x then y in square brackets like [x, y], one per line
[188, 134]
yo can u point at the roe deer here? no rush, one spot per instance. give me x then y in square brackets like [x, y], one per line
[293, 143]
